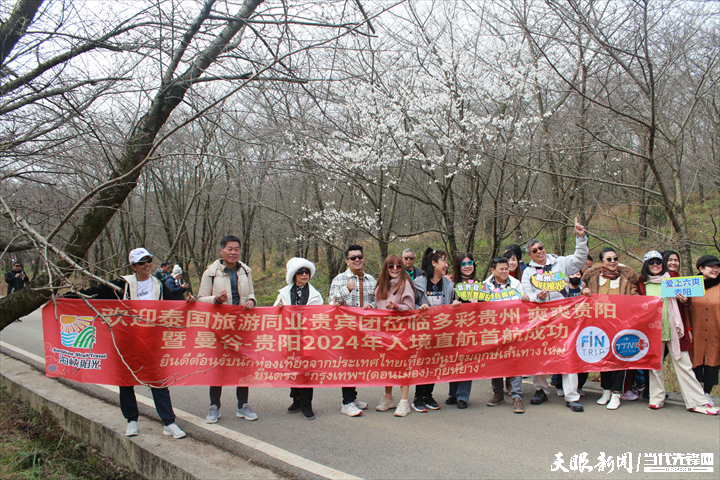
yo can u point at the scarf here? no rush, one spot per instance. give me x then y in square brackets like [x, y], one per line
[608, 274]
[676, 325]
[711, 282]
[299, 295]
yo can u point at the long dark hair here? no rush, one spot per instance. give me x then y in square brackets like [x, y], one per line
[518, 270]
[431, 255]
[382, 290]
[666, 256]
[457, 275]
[645, 272]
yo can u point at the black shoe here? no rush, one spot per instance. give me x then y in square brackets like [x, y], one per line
[431, 403]
[419, 406]
[539, 397]
[18, 320]
[451, 400]
[462, 404]
[308, 413]
[295, 407]
[575, 406]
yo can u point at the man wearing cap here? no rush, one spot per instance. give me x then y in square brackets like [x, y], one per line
[228, 281]
[353, 288]
[16, 279]
[705, 321]
[541, 262]
[141, 285]
[175, 285]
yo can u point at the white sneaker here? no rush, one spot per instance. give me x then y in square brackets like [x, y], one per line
[614, 403]
[386, 403]
[360, 404]
[131, 429]
[246, 412]
[605, 397]
[709, 399]
[560, 392]
[173, 430]
[350, 410]
[403, 408]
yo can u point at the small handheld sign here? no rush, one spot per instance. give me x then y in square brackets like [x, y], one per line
[483, 293]
[688, 286]
[552, 282]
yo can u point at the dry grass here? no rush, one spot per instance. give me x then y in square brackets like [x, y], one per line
[33, 445]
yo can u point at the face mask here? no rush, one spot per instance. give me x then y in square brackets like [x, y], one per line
[575, 281]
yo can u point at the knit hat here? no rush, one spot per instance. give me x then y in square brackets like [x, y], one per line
[138, 254]
[295, 264]
[652, 254]
[176, 271]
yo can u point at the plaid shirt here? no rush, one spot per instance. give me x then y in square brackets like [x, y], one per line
[340, 292]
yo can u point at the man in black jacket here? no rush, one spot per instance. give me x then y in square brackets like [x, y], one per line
[16, 279]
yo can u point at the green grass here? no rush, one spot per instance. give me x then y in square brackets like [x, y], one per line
[33, 445]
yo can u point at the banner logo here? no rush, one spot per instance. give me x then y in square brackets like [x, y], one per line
[77, 331]
[592, 344]
[630, 345]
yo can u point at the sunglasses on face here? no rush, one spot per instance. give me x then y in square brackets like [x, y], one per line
[303, 271]
[408, 258]
[395, 267]
[355, 257]
[612, 259]
[655, 261]
[469, 263]
[143, 261]
[538, 249]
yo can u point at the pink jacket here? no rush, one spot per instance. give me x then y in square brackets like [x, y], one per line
[405, 299]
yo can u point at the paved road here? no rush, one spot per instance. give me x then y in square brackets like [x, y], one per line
[479, 442]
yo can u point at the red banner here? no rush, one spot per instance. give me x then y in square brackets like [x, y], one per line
[175, 343]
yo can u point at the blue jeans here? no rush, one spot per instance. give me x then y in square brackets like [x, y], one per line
[463, 390]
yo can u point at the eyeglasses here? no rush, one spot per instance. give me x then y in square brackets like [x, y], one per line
[303, 271]
[469, 263]
[355, 257]
[655, 261]
[538, 249]
[408, 258]
[395, 267]
[143, 261]
[612, 259]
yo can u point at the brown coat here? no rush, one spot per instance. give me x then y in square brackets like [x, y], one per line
[705, 321]
[628, 280]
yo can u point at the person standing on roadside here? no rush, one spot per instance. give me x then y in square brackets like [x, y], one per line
[16, 280]
[141, 285]
[353, 288]
[228, 281]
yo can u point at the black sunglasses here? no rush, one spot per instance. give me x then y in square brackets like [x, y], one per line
[612, 259]
[538, 249]
[143, 262]
[655, 261]
[355, 257]
[303, 271]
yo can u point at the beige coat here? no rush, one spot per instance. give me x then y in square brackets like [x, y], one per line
[705, 321]
[215, 280]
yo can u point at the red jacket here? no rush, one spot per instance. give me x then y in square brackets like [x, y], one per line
[685, 342]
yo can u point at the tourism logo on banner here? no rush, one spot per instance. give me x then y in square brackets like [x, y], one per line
[77, 332]
[630, 345]
[552, 282]
[592, 344]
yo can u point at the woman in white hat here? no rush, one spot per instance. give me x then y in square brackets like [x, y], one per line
[299, 292]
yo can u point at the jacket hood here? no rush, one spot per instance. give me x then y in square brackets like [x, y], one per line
[295, 264]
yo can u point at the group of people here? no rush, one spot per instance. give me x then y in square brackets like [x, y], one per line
[690, 327]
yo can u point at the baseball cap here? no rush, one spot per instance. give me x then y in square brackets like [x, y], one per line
[138, 254]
